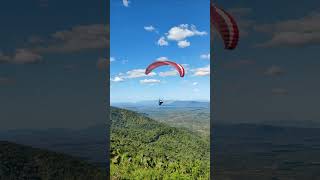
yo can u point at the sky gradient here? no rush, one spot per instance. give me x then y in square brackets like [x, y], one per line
[145, 31]
[273, 73]
[50, 63]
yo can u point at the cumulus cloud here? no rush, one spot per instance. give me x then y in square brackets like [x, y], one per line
[204, 71]
[149, 81]
[168, 73]
[137, 73]
[242, 17]
[162, 41]
[274, 71]
[292, 32]
[78, 38]
[205, 56]
[180, 34]
[112, 59]
[126, 3]
[162, 58]
[117, 79]
[132, 74]
[183, 44]
[35, 40]
[183, 31]
[195, 83]
[21, 56]
[172, 72]
[149, 28]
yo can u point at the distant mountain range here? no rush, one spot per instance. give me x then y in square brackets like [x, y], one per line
[167, 103]
[89, 143]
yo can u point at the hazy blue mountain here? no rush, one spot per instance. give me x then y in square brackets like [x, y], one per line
[186, 104]
[167, 103]
[86, 143]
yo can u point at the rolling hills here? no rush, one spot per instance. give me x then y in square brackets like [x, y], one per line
[24, 162]
[142, 148]
[191, 115]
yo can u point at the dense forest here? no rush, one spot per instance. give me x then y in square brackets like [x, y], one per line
[142, 148]
[23, 162]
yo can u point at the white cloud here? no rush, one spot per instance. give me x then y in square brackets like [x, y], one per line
[205, 56]
[162, 59]
[183, 44]
[242, 17]
[204, 71]
[112, 59]
[168, 73]
[293, 32]
[24, 56]
[117, 79]
[126, 3]
[183, 31]
[78, 38]
[195, 83]
[180, 34]
[149, 28]
[21, 56]
[35, 40]
[149, 81]
[137, 73]
[162, 42]
[196, 90]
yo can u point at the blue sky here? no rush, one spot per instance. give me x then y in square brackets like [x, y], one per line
[273, 73]
[144, 31]
[49, 54]
[52, 52]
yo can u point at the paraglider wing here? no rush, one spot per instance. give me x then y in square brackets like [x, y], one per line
[156, 64]
[226, 26]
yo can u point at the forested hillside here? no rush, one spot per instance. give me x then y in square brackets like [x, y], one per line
[142, 148]
[24, 162]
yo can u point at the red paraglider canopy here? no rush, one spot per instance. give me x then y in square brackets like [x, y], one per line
[226, 26]
[156, 64]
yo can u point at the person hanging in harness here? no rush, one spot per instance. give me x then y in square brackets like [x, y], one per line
[160, 102]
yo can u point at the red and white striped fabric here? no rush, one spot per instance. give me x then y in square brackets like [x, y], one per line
[226, 26]
[156, 64]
